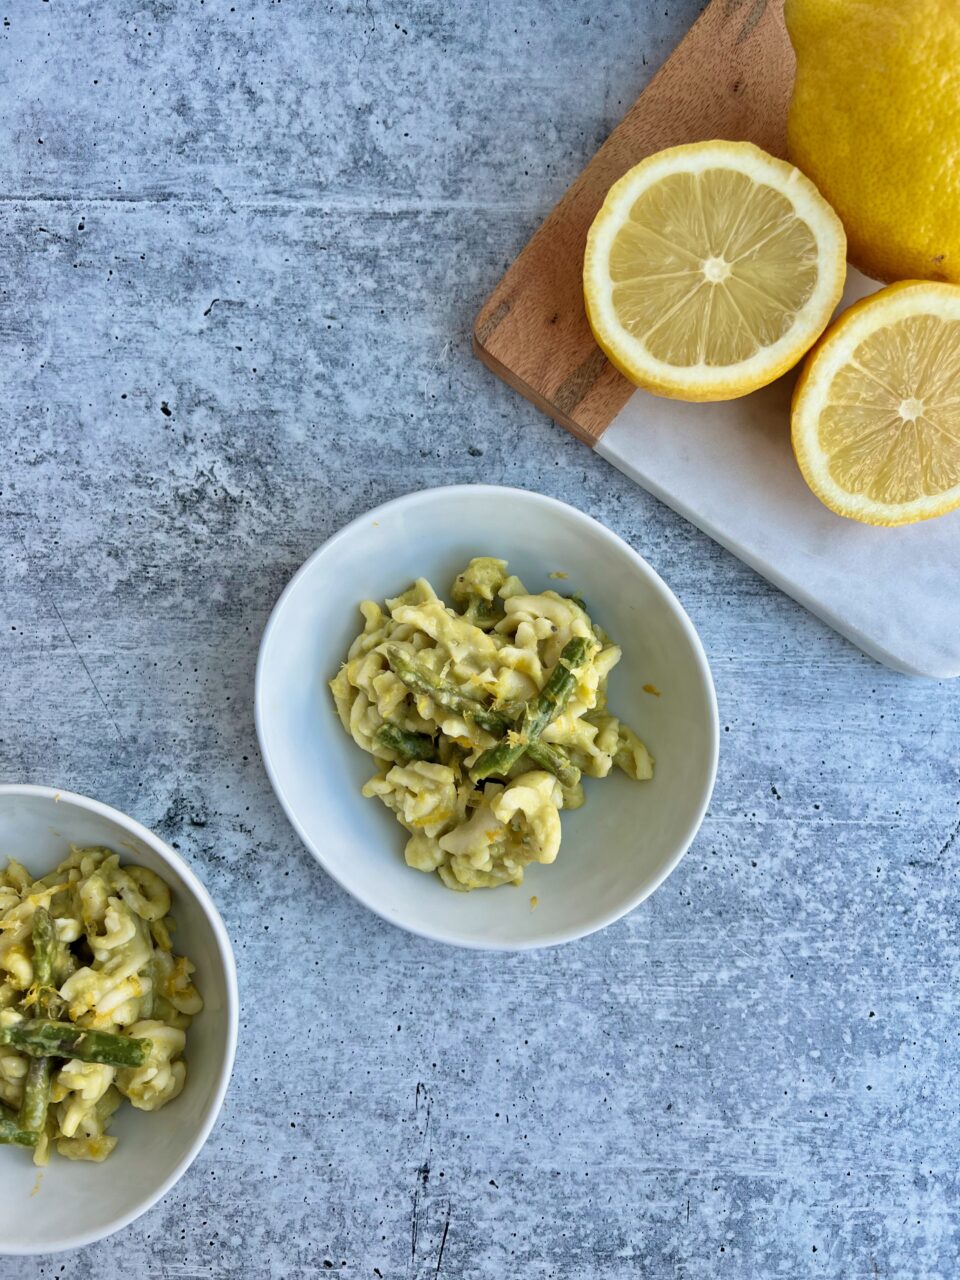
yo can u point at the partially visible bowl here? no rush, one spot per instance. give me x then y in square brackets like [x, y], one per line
[72, 1203]
[615, 850]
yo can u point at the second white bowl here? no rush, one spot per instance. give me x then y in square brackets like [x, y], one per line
[69, 1204]
[620, 845]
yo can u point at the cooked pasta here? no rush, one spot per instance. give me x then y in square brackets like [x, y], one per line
[483, 719]
[94, 1005]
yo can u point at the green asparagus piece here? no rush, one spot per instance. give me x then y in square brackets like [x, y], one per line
[44, 948]
[41, 1038]
[36, 1086]
[419, 679]
[538, 712]
[413, 746]
[494, 722]
[10, 1132]
[555, 694]
[555, 761]
[36, 1095]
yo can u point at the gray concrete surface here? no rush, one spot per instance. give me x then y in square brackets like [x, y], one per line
[241, 249]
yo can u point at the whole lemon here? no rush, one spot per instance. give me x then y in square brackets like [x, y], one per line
[875, 122]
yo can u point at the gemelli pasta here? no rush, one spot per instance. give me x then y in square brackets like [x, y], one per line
[94, 1005]
[483, 719]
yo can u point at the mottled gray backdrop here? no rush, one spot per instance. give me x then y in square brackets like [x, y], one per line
[242, 246]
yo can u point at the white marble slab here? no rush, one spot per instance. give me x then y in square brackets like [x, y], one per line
[729, 469]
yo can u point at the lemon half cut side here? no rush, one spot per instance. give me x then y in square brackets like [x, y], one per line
[711, 269]
[876, 410]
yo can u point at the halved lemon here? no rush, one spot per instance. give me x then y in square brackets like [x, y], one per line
[876, 410]
[711, 269]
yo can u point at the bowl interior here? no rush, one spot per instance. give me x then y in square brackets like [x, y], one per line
[627, 837]
[73, 1202]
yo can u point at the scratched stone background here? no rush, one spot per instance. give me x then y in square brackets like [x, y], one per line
[241, 249]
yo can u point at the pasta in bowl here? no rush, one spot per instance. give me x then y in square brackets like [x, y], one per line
[94, 1005]
[127, 1071]
[615, 849]
[484, 719]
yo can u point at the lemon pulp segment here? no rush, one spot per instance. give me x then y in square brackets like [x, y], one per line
[711, 267]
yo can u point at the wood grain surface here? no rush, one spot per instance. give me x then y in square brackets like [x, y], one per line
[730, 77]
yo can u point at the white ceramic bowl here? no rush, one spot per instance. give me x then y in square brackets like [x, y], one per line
[619, 846]
[74, 1203]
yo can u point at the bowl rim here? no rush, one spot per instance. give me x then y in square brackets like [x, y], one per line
[225, 951]
[423, 497]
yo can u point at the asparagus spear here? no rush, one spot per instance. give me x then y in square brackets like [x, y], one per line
[41, 1038]
[538, 712]
[413, 746]
[36, 1096]
[44, 949]
[36, 1086]
[555, 694]
[554, 760]
[419, 746]
[10, 1132]
[419, 679]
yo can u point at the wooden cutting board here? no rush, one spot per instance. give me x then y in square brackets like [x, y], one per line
[727, 467]
[730, 77]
